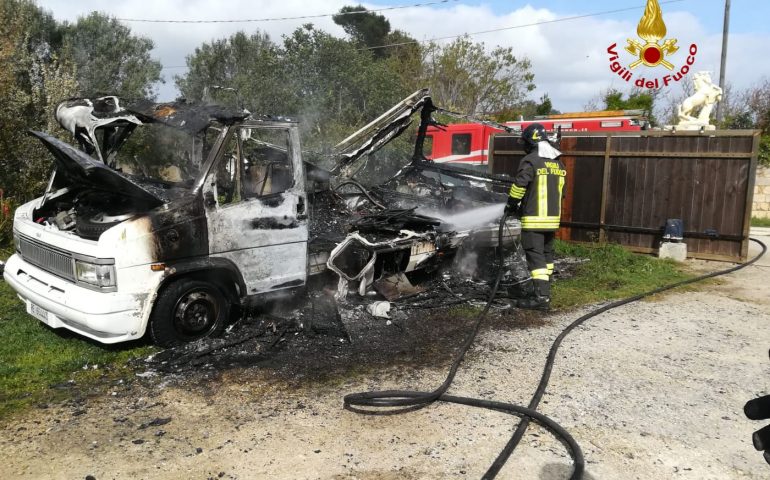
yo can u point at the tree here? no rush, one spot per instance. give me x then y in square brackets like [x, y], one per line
[464, 77]
[636, 100]
[334, 83]
[250, 64]
[34, 77]
[758, 103]
[329, 83]
[758, 109]
[365, 28]
[545, 107]
[405, 60]
[110, 59]
[736, 113]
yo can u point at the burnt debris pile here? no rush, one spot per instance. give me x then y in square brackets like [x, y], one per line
[329, 218]
[394, 221]
[317, 335]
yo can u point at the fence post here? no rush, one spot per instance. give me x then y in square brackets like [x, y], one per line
[491, 155]
[750, 195]
[605, 187]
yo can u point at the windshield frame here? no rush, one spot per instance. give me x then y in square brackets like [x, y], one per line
[163, 148]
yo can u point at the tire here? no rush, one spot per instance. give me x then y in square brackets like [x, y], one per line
[91, 224]
[186, 310]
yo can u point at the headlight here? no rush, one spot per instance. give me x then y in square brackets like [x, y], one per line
[101, 276]
[16, 242]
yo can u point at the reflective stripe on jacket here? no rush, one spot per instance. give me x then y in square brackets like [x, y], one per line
[539, 184]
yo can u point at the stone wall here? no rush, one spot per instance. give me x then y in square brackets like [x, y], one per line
[761, 207]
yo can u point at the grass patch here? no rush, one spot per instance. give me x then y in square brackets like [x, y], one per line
[760, 222]
[33, 357]
[611, 272]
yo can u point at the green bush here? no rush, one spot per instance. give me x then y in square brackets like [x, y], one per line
[7, 207]
[764, 150]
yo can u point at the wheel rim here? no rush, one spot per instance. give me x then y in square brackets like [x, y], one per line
[196, 313]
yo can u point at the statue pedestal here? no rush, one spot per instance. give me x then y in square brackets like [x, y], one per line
[691, 126]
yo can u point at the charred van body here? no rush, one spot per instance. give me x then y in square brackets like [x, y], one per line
[168, 215]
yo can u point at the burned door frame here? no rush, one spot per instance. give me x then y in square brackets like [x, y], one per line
[265, 237]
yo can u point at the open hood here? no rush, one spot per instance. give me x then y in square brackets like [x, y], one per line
[179, 114]
[116, 118]
[82, 117]
[79, 169]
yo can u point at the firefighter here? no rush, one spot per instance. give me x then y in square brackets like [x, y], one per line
[535, 197]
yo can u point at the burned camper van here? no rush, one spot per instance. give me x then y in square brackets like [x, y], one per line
[166, 216]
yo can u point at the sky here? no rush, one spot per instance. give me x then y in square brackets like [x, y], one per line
[569, 58]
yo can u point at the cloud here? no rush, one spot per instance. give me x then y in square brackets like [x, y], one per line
[569, 59]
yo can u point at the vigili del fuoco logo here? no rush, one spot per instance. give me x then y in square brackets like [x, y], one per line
[652, 50]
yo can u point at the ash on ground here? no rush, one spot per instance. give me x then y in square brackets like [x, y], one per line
[314, 337]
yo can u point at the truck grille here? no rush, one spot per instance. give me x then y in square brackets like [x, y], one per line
[51, 260]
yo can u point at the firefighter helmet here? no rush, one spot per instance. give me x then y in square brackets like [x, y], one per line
[532, 135]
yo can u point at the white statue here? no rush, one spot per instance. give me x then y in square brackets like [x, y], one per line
[706, 95]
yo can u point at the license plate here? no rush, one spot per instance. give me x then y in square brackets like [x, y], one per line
[38, 312]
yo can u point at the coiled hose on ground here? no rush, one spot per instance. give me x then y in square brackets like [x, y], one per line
[402, 401]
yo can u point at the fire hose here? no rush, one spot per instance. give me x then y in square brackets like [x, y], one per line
[402, 401]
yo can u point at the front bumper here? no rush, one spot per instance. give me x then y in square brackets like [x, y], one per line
[107, 317]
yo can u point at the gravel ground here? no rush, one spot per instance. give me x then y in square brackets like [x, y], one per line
[649, 390]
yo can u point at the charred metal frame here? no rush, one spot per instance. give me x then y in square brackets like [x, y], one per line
[426, 120]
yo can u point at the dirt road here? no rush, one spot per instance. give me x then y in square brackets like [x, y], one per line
[650, 390]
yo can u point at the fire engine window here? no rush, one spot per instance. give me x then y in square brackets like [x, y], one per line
[461, 144]
[427, 147]
[267, 168]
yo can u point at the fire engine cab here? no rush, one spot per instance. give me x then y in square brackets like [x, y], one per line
[467, 144]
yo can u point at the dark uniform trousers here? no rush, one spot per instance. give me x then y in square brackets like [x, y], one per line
[538, 248]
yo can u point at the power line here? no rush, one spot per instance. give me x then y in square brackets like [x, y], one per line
[275, 19]
[533, 24]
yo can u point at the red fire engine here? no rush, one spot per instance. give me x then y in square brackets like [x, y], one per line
[468, 143]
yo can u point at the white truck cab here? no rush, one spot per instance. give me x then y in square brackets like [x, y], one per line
[166, 232]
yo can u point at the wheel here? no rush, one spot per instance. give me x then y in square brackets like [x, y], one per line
[186, 310]
[91, 224]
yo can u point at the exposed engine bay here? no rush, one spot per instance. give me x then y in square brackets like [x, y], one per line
[87, 212]
[131, 159]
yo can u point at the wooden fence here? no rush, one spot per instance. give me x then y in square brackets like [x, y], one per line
[622, 186]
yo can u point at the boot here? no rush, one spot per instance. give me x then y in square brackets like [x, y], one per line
[540, 298]
[522, 290]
